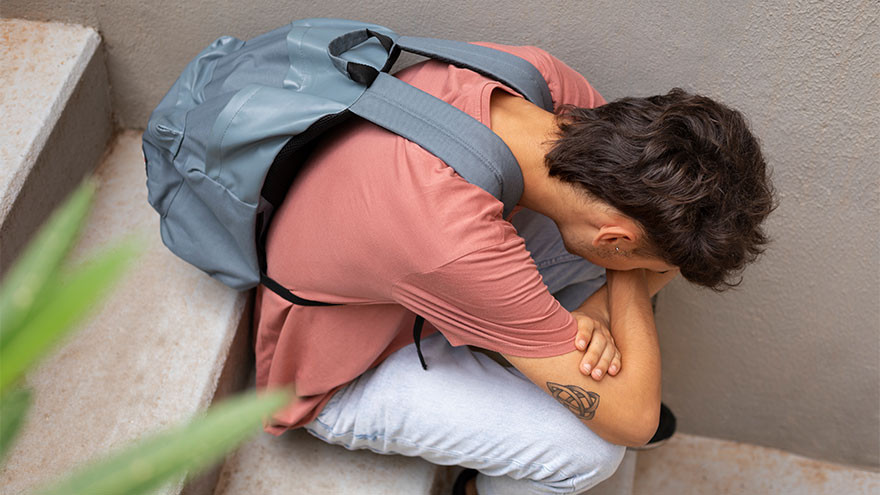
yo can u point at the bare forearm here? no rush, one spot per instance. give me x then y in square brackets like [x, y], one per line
[632, 325]
[598, 302]
[624, 408]
[624, 303]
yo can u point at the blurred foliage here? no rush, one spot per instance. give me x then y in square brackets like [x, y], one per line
[41, 301]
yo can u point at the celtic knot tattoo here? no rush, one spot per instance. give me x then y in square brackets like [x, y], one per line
[576, 399]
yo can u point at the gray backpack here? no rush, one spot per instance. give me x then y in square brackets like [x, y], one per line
[226, 141]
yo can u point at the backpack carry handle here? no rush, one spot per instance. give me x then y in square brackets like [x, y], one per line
[360, 73]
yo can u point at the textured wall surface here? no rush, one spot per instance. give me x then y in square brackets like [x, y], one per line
[789, 360]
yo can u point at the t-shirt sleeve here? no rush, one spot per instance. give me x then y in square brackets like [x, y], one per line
[567, 86]
[491, 298]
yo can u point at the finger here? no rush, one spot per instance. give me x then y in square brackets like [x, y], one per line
[614, 368]
[585, 332]
[594, 352]
[604, 361]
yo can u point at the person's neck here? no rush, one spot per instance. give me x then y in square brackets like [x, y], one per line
[529, 132]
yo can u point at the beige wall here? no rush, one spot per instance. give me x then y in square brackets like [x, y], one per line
[791, 359]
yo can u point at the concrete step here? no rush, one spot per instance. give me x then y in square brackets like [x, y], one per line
[298, 464]
[55, 103]
[692, 464]
[163, 347]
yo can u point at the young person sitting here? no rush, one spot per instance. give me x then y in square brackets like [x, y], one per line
[618, 199]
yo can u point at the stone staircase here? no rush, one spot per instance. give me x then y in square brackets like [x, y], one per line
[55, 103]
[171, 340]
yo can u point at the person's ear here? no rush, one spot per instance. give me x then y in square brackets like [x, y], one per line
[612, 234]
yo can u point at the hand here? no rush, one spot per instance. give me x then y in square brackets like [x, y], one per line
[594, 337]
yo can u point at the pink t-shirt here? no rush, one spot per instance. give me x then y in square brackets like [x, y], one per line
[381, 225]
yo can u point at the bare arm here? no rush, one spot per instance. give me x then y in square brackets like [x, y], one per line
[622, 409]
[598, 302]
[594, 335]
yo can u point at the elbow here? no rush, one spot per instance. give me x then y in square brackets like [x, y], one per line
[646, 431]
[641, 427]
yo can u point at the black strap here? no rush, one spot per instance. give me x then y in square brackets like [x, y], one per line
[290, 296]
[293, 298]
[417, 338]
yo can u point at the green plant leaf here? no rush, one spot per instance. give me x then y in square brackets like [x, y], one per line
[23, 285]
[63, 305]
[184, 449]
[13, 408]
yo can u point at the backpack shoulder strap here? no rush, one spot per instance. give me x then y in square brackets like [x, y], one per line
[462, 142]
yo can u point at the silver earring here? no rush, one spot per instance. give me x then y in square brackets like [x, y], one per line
[617, 248]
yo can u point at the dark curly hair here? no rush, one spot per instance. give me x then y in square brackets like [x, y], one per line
[684, 167]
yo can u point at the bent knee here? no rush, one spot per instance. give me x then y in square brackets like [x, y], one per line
[587, 469]
[611, 458]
